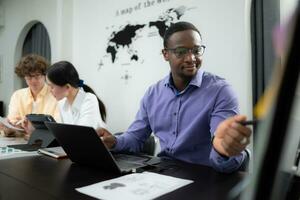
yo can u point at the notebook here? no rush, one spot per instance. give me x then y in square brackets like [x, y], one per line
[84, 146]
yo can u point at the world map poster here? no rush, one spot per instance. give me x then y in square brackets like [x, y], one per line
[121, 48]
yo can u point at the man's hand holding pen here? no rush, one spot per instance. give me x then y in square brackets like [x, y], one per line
[22, 123]
[7, 132]
[231, 136]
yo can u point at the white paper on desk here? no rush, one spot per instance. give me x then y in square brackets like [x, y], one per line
[8, 125]
[5, 141]
[138, 186]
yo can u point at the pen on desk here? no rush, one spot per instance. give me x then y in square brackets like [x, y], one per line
[249, 122]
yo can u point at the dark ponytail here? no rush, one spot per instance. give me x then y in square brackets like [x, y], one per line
[102, 108]
[63, 72]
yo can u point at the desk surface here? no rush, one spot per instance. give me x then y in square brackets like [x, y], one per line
[42, 177]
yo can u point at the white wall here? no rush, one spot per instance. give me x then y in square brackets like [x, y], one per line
[79, 32]
[287, 7]
[19, 16]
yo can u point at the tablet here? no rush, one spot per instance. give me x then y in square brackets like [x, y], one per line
[38, 120]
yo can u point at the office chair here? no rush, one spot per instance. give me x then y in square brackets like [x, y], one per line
[149, 146]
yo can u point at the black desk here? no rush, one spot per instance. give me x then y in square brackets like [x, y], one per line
[41, 177]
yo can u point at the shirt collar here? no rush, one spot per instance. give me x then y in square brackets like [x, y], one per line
[42, 93]
[196, 81]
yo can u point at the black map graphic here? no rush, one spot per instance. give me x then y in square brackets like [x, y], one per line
[124, 38]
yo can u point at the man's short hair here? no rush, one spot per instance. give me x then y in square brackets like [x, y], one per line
[31, 64]
[177, 27]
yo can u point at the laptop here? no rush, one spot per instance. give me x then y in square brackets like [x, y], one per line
[84, 146]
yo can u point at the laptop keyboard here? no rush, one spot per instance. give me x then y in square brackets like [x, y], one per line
[126, 162]
[130, 158]
[123, 165]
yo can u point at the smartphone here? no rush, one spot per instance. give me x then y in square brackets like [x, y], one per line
[55, 152]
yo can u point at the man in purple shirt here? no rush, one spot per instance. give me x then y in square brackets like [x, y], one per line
[193, 113]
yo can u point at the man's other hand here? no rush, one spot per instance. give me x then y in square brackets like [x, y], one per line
[108, 139]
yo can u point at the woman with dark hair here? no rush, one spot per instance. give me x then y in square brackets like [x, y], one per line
[77, 101]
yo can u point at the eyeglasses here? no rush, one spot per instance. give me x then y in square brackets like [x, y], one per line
[33, 76]
[181, 52]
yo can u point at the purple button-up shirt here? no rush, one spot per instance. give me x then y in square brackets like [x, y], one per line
[185, 121]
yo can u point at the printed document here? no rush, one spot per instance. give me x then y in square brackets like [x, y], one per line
[137, 186]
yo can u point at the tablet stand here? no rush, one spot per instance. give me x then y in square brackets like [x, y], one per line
[40, 138]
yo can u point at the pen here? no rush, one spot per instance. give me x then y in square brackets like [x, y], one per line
[19, 122]
[249, 122]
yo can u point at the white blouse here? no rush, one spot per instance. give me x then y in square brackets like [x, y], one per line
[84, 110]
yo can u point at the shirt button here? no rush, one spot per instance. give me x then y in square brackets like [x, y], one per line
[174, 133]
[175, 114]
[168, 149]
